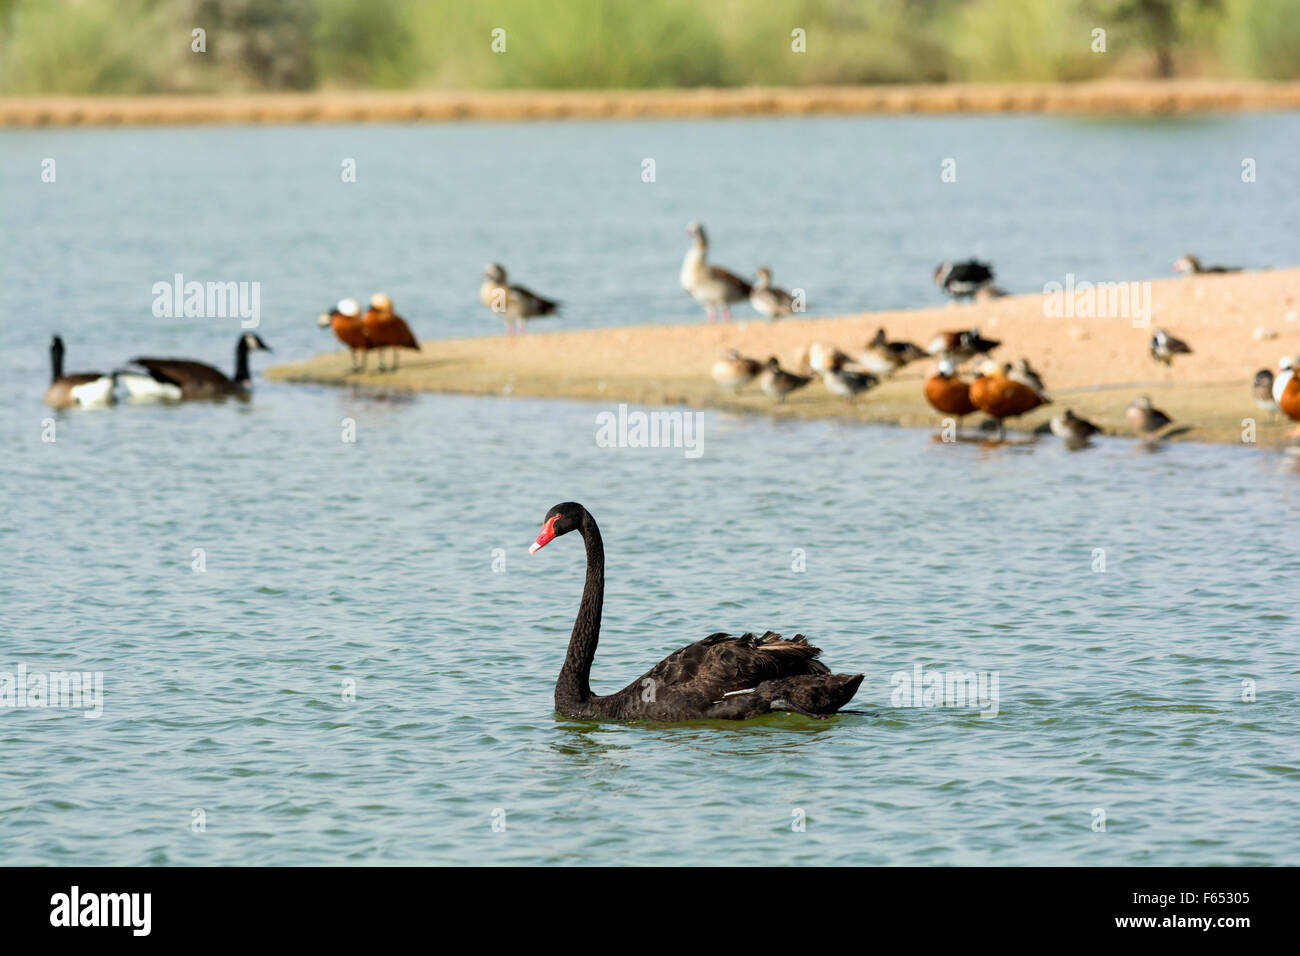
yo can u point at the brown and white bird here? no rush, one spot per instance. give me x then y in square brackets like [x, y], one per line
[734, 371]
[1072, 429]
[884, 357]
[1145, 418]
[1001, 397]
[1286, 389]
[711, 286]
[1262, 390]
[845, 379]
[962, 280]
[1164, 347]
[1021, 371]
[384, 329]
[513, 303]
[344, 320]
[948, 394]
[1192, 266]
[777, 382]
[767, 299]
[79, 389]
[962, 345]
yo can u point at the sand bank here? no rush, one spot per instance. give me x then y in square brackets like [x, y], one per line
[1102, 97]
[1095, 365]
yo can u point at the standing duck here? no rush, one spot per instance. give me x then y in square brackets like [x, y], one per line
[345, 321]
[1145, 418]
[1262, 390]
[884, 357]
[948, 394]
[181, 379]
[1192, 266]
[767, 299]
[841, 377]
[78, 390]
[711, 286]
[1164, 347]
[1073, 430]
[1001, 397]
[1021, 371]
[719, 678]
[962, 280]
[961, 346]
[513, 303]
[1286, 389]
[385, 329]
[777, 382]
[734, 371]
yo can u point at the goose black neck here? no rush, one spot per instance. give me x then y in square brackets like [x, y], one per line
[241, 362]
[574, 685]
[56, 361]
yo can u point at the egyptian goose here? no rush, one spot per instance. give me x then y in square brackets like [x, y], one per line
[1164, 347]
[513, 303]
[345, 321]
[78, 390]
[767, 299]
[1072, 429]
[960, 346]
[181, 379]
[777, 382]
[948, 394]
[842, 377]
[884, 357]
[711, 286]
[1145, 418]
[962, 280]
[1286, 389]
[385, 329]
[733, 371]
[1192, 266]
[1002, 397]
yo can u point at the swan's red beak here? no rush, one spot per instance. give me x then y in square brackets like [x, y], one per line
[548, 532]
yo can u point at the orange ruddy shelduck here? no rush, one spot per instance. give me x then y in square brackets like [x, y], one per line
[1002, 397]
[385, 329]
[345, 321]
[948, 394]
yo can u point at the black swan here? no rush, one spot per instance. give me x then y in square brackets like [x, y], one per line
[719, 678]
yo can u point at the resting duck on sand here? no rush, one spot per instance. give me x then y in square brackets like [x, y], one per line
[767, 299]
[960, 346]
[734, 371]
[1072, 429]
[845, 379]
[962, 280]
[1192, 266]
[1262, 390]
[777, 382]
[515, 304]
[711, 286]
[1145, 418]
[884, 357]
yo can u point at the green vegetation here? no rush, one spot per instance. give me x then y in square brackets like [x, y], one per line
[135, 46]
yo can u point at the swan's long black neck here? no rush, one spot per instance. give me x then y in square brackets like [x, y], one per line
[241, 363]
[574, 687]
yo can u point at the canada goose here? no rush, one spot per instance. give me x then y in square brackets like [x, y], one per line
[1192, 266]
[1164, 347]
[948, 394]
[345, 321]
[513, 303]
[884, 357]
[79, 390]
[711, 286]
[734, 371]
[777, 382]
[767, 299]
[1072, 429]
[385, 329]
[960, 346]
[1145, 418]
[845, 379]
[1002, 397]
[182, 379]
[962, 280]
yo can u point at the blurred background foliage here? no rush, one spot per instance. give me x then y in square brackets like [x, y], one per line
[142, 46]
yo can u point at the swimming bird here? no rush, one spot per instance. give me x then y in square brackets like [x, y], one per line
[79, 389]
[1145, 418]
[1021, 371]
[1072, 429]
[345, 321]
[719, 678]
[513, 303]
[842, 377]
[947, 393]
[1164, 347]
[767, 299]
[1286, 389]
[385, 329]
[711, 286]
[777, 382]
[734, 371]
[176, 379]
[960, 346]
[884, 357]
[962, 280]
[1192, 265]
[1001, 397]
